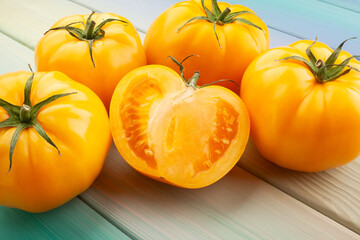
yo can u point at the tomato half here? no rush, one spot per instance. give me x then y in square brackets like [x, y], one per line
[304, 104]
[37, 178]
[175, 132]
[115, 47]
[224, 53]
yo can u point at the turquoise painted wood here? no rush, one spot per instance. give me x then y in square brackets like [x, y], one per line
[352, 5]
[310, 18]
[74, 220]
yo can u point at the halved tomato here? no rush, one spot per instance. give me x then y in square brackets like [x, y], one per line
[174, 131]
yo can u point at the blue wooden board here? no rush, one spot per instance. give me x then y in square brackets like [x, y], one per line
[308, 19]
[74, 220]
[352, 5]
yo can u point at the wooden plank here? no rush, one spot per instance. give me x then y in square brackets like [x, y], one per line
[335, 192]
[330, 192]
[14, 55]
[309, 18]
[27, 21]
[239, 206]
[74, 220]
[352, 5]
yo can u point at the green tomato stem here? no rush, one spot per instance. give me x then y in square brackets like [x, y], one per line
[223, 16]
[90, 30]
[319, 63]
[25, 113]
[193, 80]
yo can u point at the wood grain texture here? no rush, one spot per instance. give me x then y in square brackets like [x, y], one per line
[14, 56]
[352, 5]
[239, 206]
[74, 220]
[310, 18]
[336, 192]
[27, 21]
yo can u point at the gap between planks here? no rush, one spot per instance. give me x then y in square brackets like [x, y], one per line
[347, 4]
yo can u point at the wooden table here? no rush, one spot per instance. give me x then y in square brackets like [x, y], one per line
[256, 200]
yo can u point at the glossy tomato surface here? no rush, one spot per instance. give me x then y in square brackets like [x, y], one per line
[297, 122]
[40, 179]
[175, 133]
[117, 53]
[239, 43]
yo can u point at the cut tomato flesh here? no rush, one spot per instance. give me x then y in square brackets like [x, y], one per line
[178, 134]
[226, 128]
[135, 117]
[217, 127]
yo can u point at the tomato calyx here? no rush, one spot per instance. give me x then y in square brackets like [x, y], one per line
[25, 116]
[90, 33]
[193, 80]
[216, 16]
[328, 70]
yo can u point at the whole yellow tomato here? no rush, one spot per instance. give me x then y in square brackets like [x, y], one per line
[226, 39]
[96, 50]
[174, 131]
[304, 105]
[54, 137]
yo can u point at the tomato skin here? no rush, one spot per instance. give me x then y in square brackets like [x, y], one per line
[296, 122]
[40, 179]
[172, 132]
[116, 54]
[240, 43]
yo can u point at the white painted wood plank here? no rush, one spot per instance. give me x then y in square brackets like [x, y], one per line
[239, 206]
[27, 21]
[335, 192]
[14, 56]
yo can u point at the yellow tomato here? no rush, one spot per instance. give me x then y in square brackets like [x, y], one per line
[177, 132]
[226, 39]
[304, 110]
[116, 50]
[39, 179]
